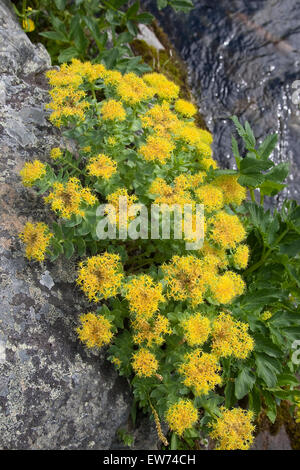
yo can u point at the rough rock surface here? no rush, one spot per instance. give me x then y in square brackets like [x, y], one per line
[53, 395]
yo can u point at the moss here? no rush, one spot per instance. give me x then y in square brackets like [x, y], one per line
[284, 418]
[167, 62]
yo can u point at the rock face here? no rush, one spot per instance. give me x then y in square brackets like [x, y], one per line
[53, 394]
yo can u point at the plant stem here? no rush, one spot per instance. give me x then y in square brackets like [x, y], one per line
[252, 195]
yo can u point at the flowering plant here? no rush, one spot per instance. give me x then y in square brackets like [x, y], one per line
[193, 330]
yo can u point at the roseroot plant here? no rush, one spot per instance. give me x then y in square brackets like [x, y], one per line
[194, 331]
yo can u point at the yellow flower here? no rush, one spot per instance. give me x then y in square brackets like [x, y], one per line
[188, 278]
[114, 200]
[210, 196]
[233, 429]
[185, 108]
[113, 109]
[161, 119]
[200, 371]
[67, 198]
[163, 87]
[181, 416]
[265, 316]
[207, 162]
[226, 287]
[241, 257]
[227, 230]
[230, 337]
[95, 330]
[100, 276]
[196, 329]
[112, 77]
[28, 25]
[36, 238]
[220, 253]
[151, 332]
[32, 171]
[115, 360]
[67, 102]
[56, 153]
[192, 135]
[132, 89]
[167, 194]
[64, 77]
[112, 141]
[157, 148]
[101, 166]
[144, 363]
[196, 179]
[234, 193]
[144, 296]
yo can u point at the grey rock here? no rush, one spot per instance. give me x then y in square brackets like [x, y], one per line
[53, 393]
[267, 441]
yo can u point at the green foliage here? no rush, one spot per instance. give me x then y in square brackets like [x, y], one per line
[91, 29]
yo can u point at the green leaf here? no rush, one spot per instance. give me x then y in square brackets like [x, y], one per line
[68, 248]
[244, 383]
[67, 54]
[255, 400]
[55, 36]
[271, 406]
[266, 345]
[174, 442]
[267, 368]
[60, 4]
[229, 394]
[287, 379]
[268, 145]
[278, 173]
[250, 165]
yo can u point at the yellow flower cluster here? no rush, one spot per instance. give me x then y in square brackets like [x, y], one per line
[230, 337]
[100, 276]
[210, 196]
[151, 332]
[36, 238]
[113, 109]
[185, 108]
[132, 89]
[144, 363]
[68, 198]
[32, 171]
[241, 257]
[227, 286]
[163, 87]
[161, 119]
[233, 430]
[181, 416]
[95, 330]
[67, 102]
[101, 166]
[265, 316]
[167, 194]
[144, 296]
[233, 192]
[196, 329]
[227, 230]
[56, 153]
[200, 371]
[121, 217]
[157, 148]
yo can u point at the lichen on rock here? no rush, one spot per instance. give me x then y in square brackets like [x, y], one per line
[53, 394]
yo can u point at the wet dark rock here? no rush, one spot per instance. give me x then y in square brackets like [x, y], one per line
[53, 393]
